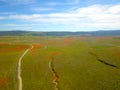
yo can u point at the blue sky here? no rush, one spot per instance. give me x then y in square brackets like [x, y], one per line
[59, 15]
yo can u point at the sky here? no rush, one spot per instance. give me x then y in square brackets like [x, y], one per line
[59, 15]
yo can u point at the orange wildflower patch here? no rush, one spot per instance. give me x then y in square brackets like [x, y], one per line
[103, 39]
[68, 40]
[3, 81]
[12, 48]
[20, 48]
[117, 54]
[3, 44]
[55, 53]
[36, 46]
[80, 38]
[52, 42]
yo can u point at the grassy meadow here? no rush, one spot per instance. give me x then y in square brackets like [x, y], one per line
[81, 63]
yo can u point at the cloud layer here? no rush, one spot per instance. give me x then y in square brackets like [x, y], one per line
[94, 16]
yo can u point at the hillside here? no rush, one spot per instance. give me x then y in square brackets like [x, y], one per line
[64, 33]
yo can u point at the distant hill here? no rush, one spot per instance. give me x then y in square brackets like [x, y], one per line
[55, 33]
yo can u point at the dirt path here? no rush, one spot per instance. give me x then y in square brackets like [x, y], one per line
[19, 68]
[55, 75]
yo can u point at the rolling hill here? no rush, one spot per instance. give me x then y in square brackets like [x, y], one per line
[62, 33]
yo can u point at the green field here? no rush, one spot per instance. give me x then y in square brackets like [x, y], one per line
[78, 63]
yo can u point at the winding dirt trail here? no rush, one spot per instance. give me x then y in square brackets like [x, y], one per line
[19, 68]
[55, 75]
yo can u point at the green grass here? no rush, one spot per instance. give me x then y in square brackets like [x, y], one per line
[35, 72]
[8, 68]
[76, 67]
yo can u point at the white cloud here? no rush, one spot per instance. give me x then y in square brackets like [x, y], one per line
[37, 9]
[95, 16]
[94, 9]
[13, 26]
[1, 17]
[114, 9]
[20, 25]
[67, 2]
[25, 17]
